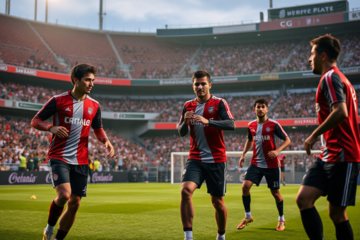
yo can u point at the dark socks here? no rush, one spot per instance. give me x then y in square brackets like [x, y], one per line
[280, 207]
[188, 229]
[60, 235]
[54, 213]
[344, 231]
[246, 202]
[221, 233]
[312, 223]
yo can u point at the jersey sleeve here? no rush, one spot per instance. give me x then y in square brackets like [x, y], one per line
[279, 132]
[249, 135]
[47, 110]
[332, 89]
[97, 121]
[224, 111]
[183, 128]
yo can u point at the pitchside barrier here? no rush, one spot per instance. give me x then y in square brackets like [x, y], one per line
[296, 165]
[43, 177]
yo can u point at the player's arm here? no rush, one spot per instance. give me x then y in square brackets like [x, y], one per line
[183, 127]
[333, 91]
[227, 121]
[247, 146]
[38, 122]
[100, 133]
[279, 131]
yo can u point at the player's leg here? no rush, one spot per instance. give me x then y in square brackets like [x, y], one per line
[283, 176]
[314, 186]
[220, 215]
[273, 177]
[78, 183]
[342, 179]
[192, 179]
[252, 175]
[215, 176]
[60, 177]
[68, 217]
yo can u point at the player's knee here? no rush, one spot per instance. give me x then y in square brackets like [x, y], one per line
[218, 204]
[74, 203]
[64, 196]
[186, 192]
[245, 189]
[337, 216]
[302, 202]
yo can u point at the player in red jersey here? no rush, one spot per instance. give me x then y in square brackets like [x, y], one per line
[73, 112]
[335, 172]
[207, 117]
[262, 134]
[282, 158]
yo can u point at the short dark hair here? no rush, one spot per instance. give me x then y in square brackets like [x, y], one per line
[201, 74]
[261, 101]
[329, 45]
[79, 71]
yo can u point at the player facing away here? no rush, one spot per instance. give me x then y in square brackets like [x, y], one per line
[262, 134]
[282, 158]
[207, 117]
[73, 112]
[335, 172]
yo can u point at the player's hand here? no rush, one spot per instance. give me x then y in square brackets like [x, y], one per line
[201, 119]
[309, 143]
[110, 148]
[188, 115]
[241, 161]
[59, 131]
[273, 154]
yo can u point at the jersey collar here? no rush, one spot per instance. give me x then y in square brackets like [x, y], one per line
[75, 98]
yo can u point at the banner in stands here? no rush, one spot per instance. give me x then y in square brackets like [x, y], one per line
[308, 10]
[28, 178]
[60, 76]
[302, 22]
[354, 16]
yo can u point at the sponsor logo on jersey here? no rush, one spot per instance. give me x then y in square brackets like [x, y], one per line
[262, 137]
[77, 121]
[56, 177]
[67, 110]
[268, 129]
[317, 107]
[192, 122]
[90, 110]
[253, 130]
[211, 110]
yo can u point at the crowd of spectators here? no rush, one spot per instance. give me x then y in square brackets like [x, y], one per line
[295, 105]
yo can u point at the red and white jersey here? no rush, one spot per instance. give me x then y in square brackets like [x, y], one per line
[77, 117]
[263, 136]
[282, 160]
[207, 142]
[340, 144]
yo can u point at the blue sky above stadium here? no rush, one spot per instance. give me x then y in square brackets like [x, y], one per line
[148, 15]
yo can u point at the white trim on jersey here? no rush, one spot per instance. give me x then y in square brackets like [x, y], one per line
[61, 94]
[270, 120]
[327, 75]
[90, 98]
[346, 187]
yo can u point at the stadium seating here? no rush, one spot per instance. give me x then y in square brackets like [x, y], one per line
[152, 57]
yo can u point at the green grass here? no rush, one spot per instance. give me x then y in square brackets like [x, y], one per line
[151, 211]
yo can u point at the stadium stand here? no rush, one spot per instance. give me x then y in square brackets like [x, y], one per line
[152, 57]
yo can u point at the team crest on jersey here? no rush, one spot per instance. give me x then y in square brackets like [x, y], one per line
[211, 109]
[317, 107]
[56, 177]
[184, 171]
[268, 129]
[90, 110]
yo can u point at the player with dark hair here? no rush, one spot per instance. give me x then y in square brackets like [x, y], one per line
[73, 112]
[207, 117]
[335, 172]
[282, 158]
[264, 162]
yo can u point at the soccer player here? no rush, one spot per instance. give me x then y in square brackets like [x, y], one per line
[207, 117]
[282, 158]
[73, 112]
[264, 162]
[335, 172]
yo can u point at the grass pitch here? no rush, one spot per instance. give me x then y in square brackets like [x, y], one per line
[151, 211]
